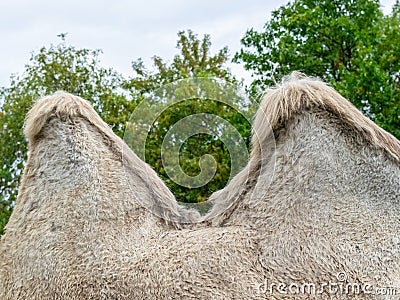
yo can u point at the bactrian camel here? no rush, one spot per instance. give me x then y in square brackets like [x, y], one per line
[319, 198]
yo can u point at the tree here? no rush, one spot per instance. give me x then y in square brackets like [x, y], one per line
[350, 44]
[59, 67]
[193, 61]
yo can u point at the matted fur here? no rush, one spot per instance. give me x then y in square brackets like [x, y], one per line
[331, 205]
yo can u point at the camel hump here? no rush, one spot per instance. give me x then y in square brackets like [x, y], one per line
[62, 105]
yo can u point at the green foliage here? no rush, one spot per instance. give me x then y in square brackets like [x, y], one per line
[54, 68]
[350, 44]
[195, 146]
[194, 60]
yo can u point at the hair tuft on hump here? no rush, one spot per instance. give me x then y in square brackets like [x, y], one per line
[298, 92]
[62, 105]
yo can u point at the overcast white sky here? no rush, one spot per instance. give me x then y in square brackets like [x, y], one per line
[125, 30]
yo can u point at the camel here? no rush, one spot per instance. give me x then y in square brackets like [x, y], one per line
[327, 200]
[319, 206]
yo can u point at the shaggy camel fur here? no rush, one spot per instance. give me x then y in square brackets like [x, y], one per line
[333, 201]
[79, 232]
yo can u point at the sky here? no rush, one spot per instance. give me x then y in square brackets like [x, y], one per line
[126, 30]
